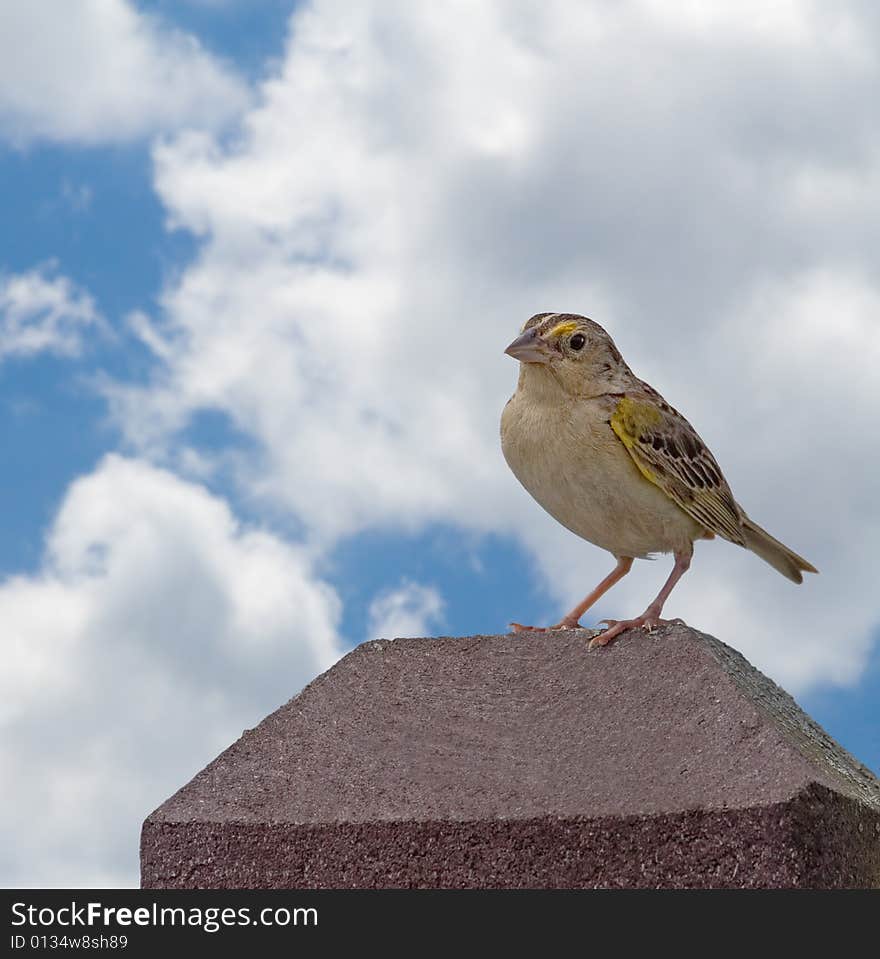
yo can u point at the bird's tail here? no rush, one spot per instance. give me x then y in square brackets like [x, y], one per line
[780, 557]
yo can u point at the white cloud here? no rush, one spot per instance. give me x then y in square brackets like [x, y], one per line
[410, 610]
[656, 168]
[157, 629]
[103, 71]
[41, 310]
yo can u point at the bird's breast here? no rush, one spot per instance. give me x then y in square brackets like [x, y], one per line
[569, 459]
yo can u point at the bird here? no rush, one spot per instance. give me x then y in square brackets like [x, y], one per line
[607, 457]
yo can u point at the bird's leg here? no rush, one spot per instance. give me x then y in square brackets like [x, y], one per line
[624, 564]
[651, 616]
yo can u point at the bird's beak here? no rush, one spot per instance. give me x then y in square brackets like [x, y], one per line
[528, 347]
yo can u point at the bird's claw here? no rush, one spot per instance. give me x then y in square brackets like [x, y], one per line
[647, 622]
[557, 627]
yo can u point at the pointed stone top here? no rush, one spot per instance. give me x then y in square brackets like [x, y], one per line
[520, 727]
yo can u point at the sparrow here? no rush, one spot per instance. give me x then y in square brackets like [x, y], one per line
[606, 456]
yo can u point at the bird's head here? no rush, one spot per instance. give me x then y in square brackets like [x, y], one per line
[571, 350]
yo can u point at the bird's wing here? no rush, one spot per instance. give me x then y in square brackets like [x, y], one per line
[669, 453]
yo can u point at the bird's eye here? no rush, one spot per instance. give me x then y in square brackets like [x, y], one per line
[577, 341]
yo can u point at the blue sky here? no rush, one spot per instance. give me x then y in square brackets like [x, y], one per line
[254, 289]
[55, 420]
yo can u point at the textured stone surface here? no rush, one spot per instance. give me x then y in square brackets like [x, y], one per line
[510, 761]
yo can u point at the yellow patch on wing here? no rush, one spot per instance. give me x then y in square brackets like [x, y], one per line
[635, 416]
[668, 452]
[561, 329]
[629, 420]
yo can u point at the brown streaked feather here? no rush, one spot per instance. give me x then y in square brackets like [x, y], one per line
[669, 452]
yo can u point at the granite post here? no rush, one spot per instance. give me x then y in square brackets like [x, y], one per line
[663, 760]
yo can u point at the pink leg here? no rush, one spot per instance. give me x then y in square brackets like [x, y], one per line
[650, 619]
[624, 564]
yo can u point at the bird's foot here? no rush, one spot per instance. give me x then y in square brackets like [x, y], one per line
[562, 624]
[647, 621]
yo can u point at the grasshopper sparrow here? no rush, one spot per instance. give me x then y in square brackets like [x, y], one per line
[612, 461]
